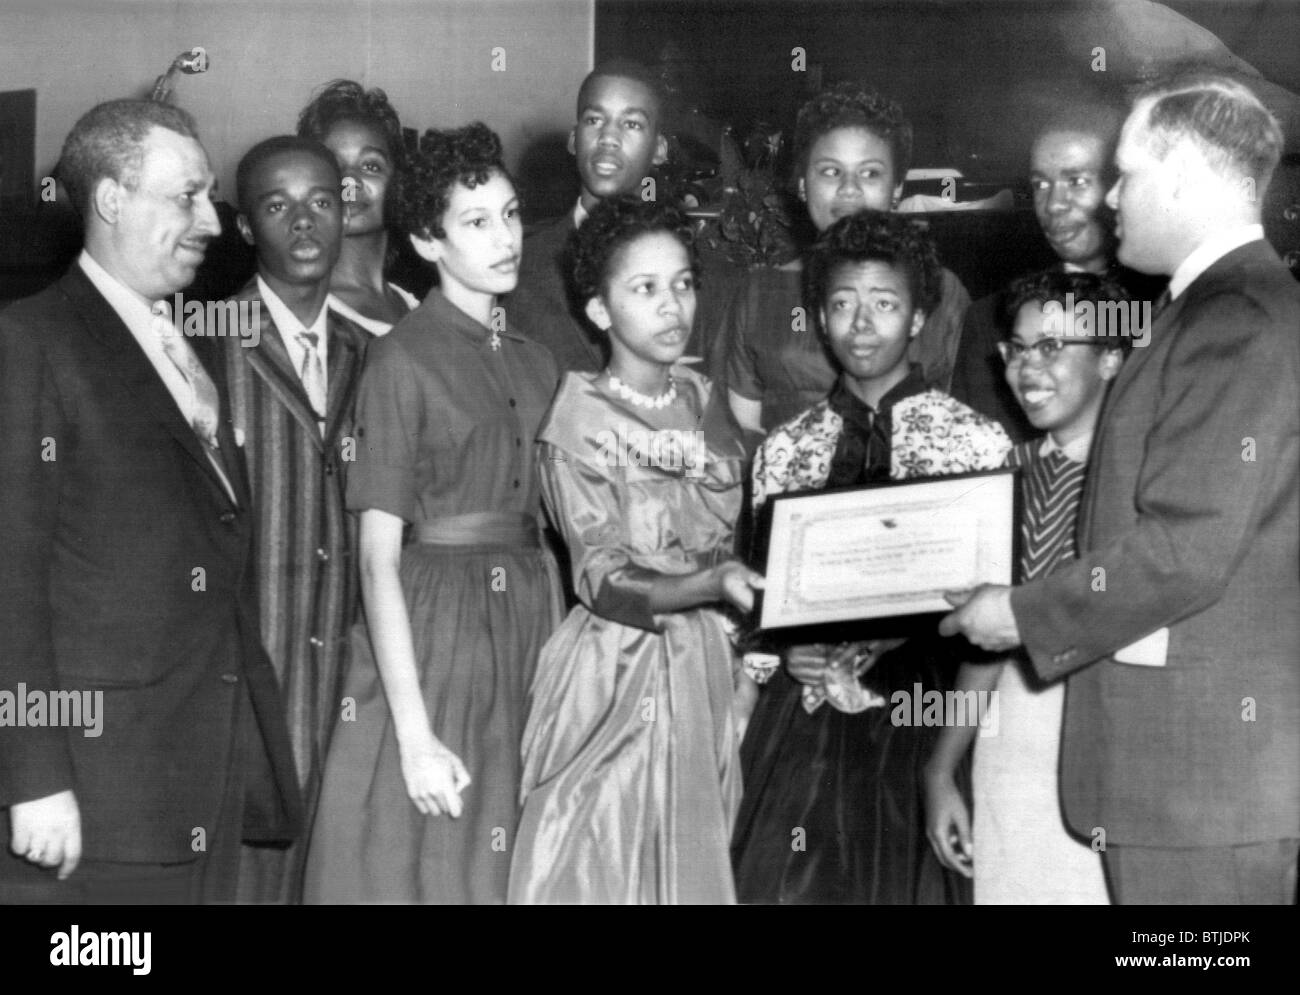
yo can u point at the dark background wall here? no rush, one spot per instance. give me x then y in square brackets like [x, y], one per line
[973, 76]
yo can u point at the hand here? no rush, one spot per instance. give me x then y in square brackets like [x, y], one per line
[807, 663]
[736, 584]
[435, 778]
[983, 616]
[947, 824]
[47, 831]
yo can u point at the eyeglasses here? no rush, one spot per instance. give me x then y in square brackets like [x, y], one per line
[1044, 350]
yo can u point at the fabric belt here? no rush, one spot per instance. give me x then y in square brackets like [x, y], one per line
[481, 528]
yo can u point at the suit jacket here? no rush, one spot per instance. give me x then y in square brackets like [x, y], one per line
[542, 308]
[1190, 521]
[126, 569]
[305, 541]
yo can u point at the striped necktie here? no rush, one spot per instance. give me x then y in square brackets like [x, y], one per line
[312, 375]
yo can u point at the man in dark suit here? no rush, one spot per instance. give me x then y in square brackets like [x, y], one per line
[616, 142]
[126, 566]
[1177, 625]
[1069, 172]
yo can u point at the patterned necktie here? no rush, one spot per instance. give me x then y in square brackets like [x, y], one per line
[205, 405]
[312, 375]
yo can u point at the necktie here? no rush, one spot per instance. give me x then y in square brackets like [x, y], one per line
[312, 374]
[205, 406]
[204, 403]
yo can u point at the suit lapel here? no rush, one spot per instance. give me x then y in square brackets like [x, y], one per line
[347, 346]
[269, 359]
[130, 364]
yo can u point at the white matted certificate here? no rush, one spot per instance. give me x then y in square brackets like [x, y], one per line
[887, 550]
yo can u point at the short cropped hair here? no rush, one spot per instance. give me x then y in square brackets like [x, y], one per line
[107, 142]
[1238, 135]
[876, 236]
[1099, 118]
[1053, 285]
[853, 105]
[621, 68]
[614, 224]
[347, 100]
[279, 145]
[468, 155]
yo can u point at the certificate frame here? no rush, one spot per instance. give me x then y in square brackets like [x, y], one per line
[901, 537]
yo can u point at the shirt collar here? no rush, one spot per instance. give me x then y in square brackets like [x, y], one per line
[1210, 252]
[444, 312]
[285, 320]
[846, 404]
[1076, 450]
[134, 310]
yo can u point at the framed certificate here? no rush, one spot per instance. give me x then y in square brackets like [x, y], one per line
[888, 549]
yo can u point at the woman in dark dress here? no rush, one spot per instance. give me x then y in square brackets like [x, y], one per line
[421, 787]
[832, 806]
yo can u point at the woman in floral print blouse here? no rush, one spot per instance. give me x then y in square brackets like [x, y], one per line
[832, 809]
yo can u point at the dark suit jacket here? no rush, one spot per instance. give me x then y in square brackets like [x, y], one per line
[541, 306]
[126, 569]
[1191, 521]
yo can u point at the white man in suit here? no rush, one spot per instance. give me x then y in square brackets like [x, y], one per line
[126, 553]
[1177, 626]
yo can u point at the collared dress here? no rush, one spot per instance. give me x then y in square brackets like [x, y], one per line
[631, 776]
[833, 810]
[783, 363]
[1024, 853]
[447, 414]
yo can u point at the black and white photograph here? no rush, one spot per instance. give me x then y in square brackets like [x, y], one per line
[414, 418]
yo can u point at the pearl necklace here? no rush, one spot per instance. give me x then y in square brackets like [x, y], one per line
[636, 398]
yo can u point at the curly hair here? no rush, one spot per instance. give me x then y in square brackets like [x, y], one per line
[614, 224]
[875, 236]
[108, 142]
[852, 105]
[347, 100]
[421, 193]
[1053, 285]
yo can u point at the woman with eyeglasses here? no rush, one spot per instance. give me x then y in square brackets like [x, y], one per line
[1019, 850]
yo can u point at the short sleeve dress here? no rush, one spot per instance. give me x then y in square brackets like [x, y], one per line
[782, 362]
[631, 776]
[447, 414]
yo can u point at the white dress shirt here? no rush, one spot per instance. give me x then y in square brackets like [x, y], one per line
[289, 327]
[1210, 252]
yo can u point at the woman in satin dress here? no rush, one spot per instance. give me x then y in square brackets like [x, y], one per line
[630, 780]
